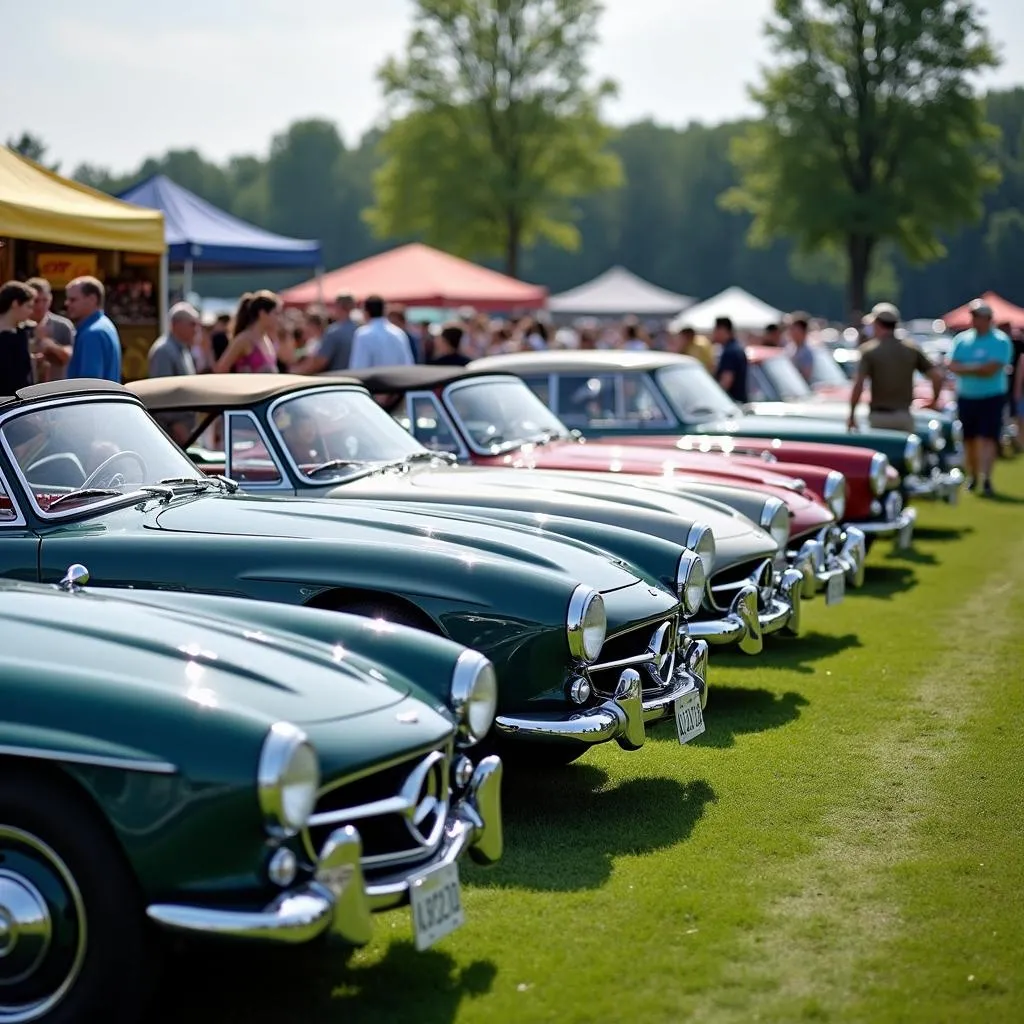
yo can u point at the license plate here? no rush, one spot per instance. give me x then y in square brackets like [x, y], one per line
[954, 496]
[689, 717]
[906, 535]
[436, 902]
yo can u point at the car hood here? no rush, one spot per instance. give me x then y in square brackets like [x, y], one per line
[594, 456]
[779, 420]
[214, 662]
[348, 524]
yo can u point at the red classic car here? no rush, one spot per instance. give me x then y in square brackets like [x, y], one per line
[495, 420]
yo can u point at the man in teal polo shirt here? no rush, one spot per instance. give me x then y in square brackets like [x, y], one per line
[979, 359]
[97, 351]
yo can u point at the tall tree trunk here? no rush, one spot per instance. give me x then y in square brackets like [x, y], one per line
[513, 236]
[859, 249]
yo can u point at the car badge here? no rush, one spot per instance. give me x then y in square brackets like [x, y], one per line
[407, 717]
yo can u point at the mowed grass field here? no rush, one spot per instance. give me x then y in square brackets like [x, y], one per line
[846, 842]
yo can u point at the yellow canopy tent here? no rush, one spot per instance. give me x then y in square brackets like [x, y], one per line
[38, 205]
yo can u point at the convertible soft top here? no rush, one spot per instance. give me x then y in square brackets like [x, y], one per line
[224, 390]
[74, 386]
[412, 378]
[576, 361]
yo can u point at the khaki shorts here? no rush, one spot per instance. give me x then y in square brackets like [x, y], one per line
[892, 421]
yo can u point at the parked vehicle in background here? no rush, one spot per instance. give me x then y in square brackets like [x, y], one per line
[329, 784]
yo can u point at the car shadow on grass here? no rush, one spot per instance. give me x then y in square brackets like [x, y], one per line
[735, 710]
[796, 654]
[914, 555]
[942, 532]
[886, 581]
[568, 841]
[317, 985]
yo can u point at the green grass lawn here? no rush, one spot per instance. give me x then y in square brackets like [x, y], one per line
[846, 842]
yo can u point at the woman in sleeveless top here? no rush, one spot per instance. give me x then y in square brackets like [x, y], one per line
[251, 348]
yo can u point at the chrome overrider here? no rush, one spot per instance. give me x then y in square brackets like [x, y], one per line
[892, 517]
[833, 551]
[762, 605]
[337, 899]
[673, 666]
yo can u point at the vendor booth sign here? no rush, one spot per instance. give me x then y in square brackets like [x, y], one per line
[61, 268]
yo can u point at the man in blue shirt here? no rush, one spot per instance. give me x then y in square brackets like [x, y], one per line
[980, 358]
[732, 363]
[379, 342]
[97, 351]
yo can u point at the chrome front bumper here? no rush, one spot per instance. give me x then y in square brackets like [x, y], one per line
[906, 518]
[624, 716]
[747, 626]
[937, 485]
[337, 899]
[835, 551]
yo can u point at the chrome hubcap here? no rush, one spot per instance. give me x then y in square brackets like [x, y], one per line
[42, 928]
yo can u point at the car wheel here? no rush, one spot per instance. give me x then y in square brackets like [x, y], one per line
[74, 944]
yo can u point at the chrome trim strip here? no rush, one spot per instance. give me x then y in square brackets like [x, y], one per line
[96, 760]
[461, 452]
[283, 484]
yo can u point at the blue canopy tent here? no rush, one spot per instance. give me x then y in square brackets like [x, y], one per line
[200, 236]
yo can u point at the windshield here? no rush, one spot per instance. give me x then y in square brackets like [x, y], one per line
[500, 414]
[330, 434]
[825, 369]
[104, 447]
[695, 395]
[784, 378]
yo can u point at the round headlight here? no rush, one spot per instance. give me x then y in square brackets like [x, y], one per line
[586, 623]
[287, 780]
[956, 433]
[775, 519]
[690, 580]
[474, 695]
[912, 454]
[834, 494]
[701, 540]
[878, 474]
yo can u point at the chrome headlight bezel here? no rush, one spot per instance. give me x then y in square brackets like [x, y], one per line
[586, 623]
[474, 696]
[701, 540]
[912, 454]
[834, 494]
[878, 474]
[690, 582]
[287, 780]
[774, 519]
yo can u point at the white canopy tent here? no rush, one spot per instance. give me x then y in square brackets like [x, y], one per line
[747, 312]
[618, 292]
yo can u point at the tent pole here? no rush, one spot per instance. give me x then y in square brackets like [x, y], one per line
[164, 285]
[187, 284]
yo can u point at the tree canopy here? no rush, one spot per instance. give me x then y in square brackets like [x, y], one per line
[871, 131]
[497, 131]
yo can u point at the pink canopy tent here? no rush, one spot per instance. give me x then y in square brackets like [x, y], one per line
[417, 275]
[1003, 311]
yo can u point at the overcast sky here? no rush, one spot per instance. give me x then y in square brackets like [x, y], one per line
[113, 81]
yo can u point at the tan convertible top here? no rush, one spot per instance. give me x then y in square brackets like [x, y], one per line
[223, 390]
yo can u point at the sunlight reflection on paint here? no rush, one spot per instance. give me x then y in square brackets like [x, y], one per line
[202, 695]
[195, 651]
[381, 626]
[339, 653]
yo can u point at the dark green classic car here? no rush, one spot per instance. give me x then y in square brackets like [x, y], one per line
[222, 768]
[327, 437]
[587, 647]
[609, 394]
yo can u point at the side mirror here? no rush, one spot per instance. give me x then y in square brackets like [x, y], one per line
[77, 576]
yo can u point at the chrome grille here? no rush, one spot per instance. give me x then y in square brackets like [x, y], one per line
[400, 810]
[724, 586]
[650, 648]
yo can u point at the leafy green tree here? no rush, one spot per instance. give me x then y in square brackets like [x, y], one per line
[33, 147]
[871, 131]
[496, 131]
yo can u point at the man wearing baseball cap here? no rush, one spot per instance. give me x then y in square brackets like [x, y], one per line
[980, 358]
[890, 364]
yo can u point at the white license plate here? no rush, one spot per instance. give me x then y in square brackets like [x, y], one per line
[689, 717]
[835, 591]
[436, 902]
[906, 535]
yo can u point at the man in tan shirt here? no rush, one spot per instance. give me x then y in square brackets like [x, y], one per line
[890, 363]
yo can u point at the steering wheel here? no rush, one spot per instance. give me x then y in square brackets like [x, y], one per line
[94, 476]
